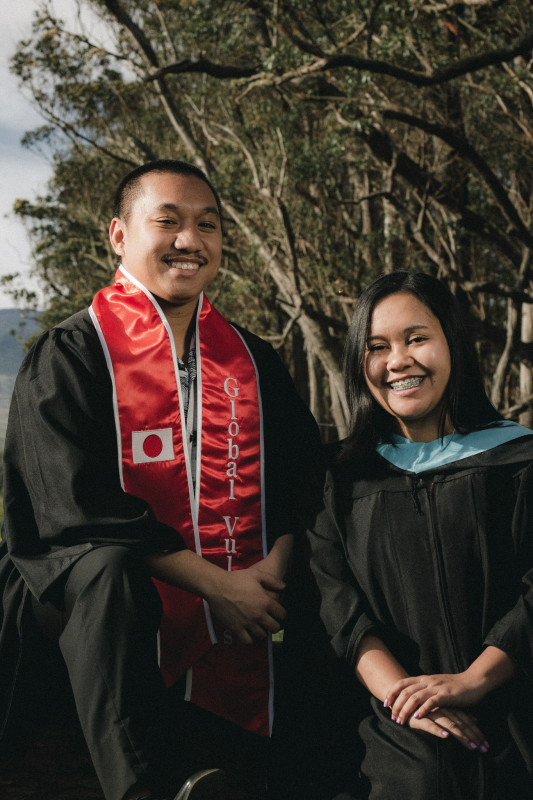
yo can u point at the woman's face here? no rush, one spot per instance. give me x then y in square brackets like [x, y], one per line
[407, 365]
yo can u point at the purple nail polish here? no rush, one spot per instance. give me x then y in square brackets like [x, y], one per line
[473, 745]
[483, 748]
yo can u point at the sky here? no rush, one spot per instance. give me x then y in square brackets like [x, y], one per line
[24, 172]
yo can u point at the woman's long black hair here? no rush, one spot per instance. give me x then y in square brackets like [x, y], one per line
[465, 401]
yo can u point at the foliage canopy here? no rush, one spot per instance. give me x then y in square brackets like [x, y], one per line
[345, 138]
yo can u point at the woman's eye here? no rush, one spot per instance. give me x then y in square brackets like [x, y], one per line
[375, 348]
[417, 339]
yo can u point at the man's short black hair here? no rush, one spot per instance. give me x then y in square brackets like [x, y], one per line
[129, 187]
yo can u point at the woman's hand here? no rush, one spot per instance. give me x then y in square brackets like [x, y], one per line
[445, 722]
[432, 703]
[420, 694]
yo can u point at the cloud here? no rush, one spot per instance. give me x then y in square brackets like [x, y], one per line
[24, 172]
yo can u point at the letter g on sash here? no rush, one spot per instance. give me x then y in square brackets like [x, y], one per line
[231, 389]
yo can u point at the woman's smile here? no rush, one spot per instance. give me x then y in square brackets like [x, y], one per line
[407, 365]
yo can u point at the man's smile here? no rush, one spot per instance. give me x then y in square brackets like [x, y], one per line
[182, 263]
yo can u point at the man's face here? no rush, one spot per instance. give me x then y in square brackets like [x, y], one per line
[172, 240]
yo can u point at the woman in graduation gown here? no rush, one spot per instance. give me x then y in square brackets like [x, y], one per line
[423, 554]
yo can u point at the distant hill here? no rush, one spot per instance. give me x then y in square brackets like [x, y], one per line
[15, 327]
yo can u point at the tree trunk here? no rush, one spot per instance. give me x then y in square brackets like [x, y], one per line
[504, 363]
[526, 373]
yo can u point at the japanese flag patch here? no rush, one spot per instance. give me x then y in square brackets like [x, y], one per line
[153, 445]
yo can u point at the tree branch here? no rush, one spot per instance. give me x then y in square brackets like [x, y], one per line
[464, 66]
[291, 240]
[114, 7]
[493, 287]
[502, 368]
[381, 146]
[205, 67]
[324, 62]
[514, 411]
[151, 60]
[465, 149]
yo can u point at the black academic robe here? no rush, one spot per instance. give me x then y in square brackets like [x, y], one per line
[437, 575]
[62, 493]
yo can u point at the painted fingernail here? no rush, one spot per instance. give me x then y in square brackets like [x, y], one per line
[393, 718]
[473, 745]
[483, 748]
[416, 715]
[386, 702]
[486, 744]
[445, 733]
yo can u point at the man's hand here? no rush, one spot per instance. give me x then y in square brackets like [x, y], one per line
[277, 562]
[246, 601]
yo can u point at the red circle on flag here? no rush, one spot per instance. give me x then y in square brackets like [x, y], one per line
[153, 445]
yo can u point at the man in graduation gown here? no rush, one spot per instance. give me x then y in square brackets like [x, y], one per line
[157, 465]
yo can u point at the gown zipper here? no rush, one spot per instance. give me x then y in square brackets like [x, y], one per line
[443, 587]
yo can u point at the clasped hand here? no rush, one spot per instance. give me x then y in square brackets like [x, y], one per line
[434, 703]
[247, 601]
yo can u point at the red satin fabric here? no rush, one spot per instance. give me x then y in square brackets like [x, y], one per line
[225, 677]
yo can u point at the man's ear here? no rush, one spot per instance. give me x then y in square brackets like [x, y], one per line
[117, 235]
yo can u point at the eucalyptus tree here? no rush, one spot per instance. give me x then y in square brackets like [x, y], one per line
[346, 138]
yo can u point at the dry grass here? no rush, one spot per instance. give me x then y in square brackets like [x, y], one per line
[55, 765]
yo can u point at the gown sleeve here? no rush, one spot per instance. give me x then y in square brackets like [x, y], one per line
[513, 633]
[62, 492]
[343, 608]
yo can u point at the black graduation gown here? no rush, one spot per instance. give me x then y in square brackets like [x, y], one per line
[62, 493]
[437, 575]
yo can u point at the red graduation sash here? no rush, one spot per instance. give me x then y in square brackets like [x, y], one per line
[223, 520]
